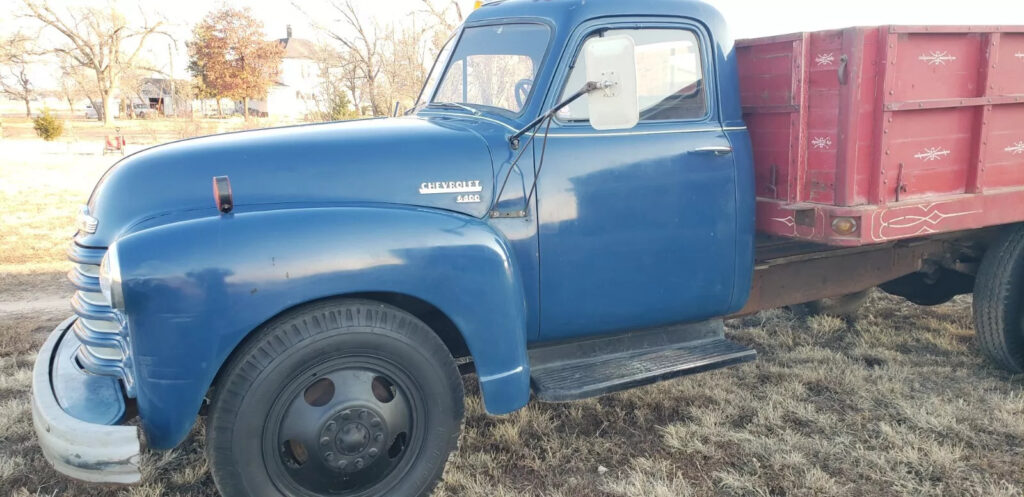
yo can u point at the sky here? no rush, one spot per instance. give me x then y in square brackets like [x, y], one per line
[762, 18]
[746, 18]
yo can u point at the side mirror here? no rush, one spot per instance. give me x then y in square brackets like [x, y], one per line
[612, 59]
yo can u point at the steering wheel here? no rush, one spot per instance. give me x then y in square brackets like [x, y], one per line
[523, 87]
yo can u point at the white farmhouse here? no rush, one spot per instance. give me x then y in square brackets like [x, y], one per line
[291, 96]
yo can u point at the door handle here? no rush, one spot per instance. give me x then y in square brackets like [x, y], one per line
[714, 150]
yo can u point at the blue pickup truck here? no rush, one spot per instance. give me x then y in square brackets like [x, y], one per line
[568, 211]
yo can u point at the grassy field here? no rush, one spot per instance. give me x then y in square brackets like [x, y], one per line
[79, 130]
[898, 402]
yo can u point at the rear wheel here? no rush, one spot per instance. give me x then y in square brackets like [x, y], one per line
[345, 398]
[999, 301]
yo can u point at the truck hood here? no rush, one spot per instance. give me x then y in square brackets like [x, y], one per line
[410, 161]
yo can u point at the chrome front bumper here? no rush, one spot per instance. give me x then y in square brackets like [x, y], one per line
[74, 414]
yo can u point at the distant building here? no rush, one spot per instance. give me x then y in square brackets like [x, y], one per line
[291, 96]
[159, 95]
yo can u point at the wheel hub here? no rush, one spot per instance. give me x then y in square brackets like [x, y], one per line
[341, 430]
[352, 439]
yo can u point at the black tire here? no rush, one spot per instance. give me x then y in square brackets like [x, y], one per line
[999, 301]
[845, 306]
[360, 381]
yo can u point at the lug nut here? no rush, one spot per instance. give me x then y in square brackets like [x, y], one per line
[373, 452]
[325, 441]
[359, 463]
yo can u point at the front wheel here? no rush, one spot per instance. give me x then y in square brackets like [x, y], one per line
[999, 301]
[344, 398]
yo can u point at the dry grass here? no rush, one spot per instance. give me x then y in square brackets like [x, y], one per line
[897, 403]
[138, 131]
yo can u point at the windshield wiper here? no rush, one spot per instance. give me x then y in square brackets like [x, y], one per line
[534, 125]
[590, 87]
[454, 105]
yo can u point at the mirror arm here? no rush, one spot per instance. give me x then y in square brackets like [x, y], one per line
[590, 87]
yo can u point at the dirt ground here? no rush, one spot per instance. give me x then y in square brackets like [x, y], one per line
[897, 402]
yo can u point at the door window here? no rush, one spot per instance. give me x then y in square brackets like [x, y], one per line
[670, 76]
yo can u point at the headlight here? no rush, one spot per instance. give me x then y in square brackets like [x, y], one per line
[110, 278]
[86, 223]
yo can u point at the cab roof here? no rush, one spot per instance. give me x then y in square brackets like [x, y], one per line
[572, 12]
[564, 16]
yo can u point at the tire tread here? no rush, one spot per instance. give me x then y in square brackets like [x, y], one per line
[298, 325]
[997, 297]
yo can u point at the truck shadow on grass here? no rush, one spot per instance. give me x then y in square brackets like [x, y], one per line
[897, 402]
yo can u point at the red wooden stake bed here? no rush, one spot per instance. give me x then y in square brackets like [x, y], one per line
[906, 130]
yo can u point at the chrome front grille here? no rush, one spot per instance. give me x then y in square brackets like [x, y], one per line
[106, 346]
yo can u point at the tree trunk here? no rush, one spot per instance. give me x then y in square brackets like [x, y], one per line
[374, 104]
[245, 110]
[220, 111]
[28, 107]
[108, 107]
[357, 98]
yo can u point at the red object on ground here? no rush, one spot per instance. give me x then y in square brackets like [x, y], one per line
[909, 130]
[115, 142]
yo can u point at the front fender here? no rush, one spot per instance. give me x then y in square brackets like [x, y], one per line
[194, 290]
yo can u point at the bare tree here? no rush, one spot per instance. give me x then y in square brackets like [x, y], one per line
[384, 64]
[365, 48]
[70, 90]
[100, 39]
[16, 55]
[351, 77]
[446, 19]
[131, 84]
[184, 92]
[404, 67]
[332, 99]
[78, 82]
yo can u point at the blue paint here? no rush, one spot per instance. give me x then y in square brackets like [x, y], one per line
[327, 164]
[628, 229]
[636, 225]
[195, 289]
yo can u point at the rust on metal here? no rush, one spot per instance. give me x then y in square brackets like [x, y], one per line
[802, 276]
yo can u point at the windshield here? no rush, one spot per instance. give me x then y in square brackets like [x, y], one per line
[492, 68]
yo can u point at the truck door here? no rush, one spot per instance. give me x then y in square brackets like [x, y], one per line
[638, 228]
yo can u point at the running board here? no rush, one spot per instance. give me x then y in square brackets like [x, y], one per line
[596, 366]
